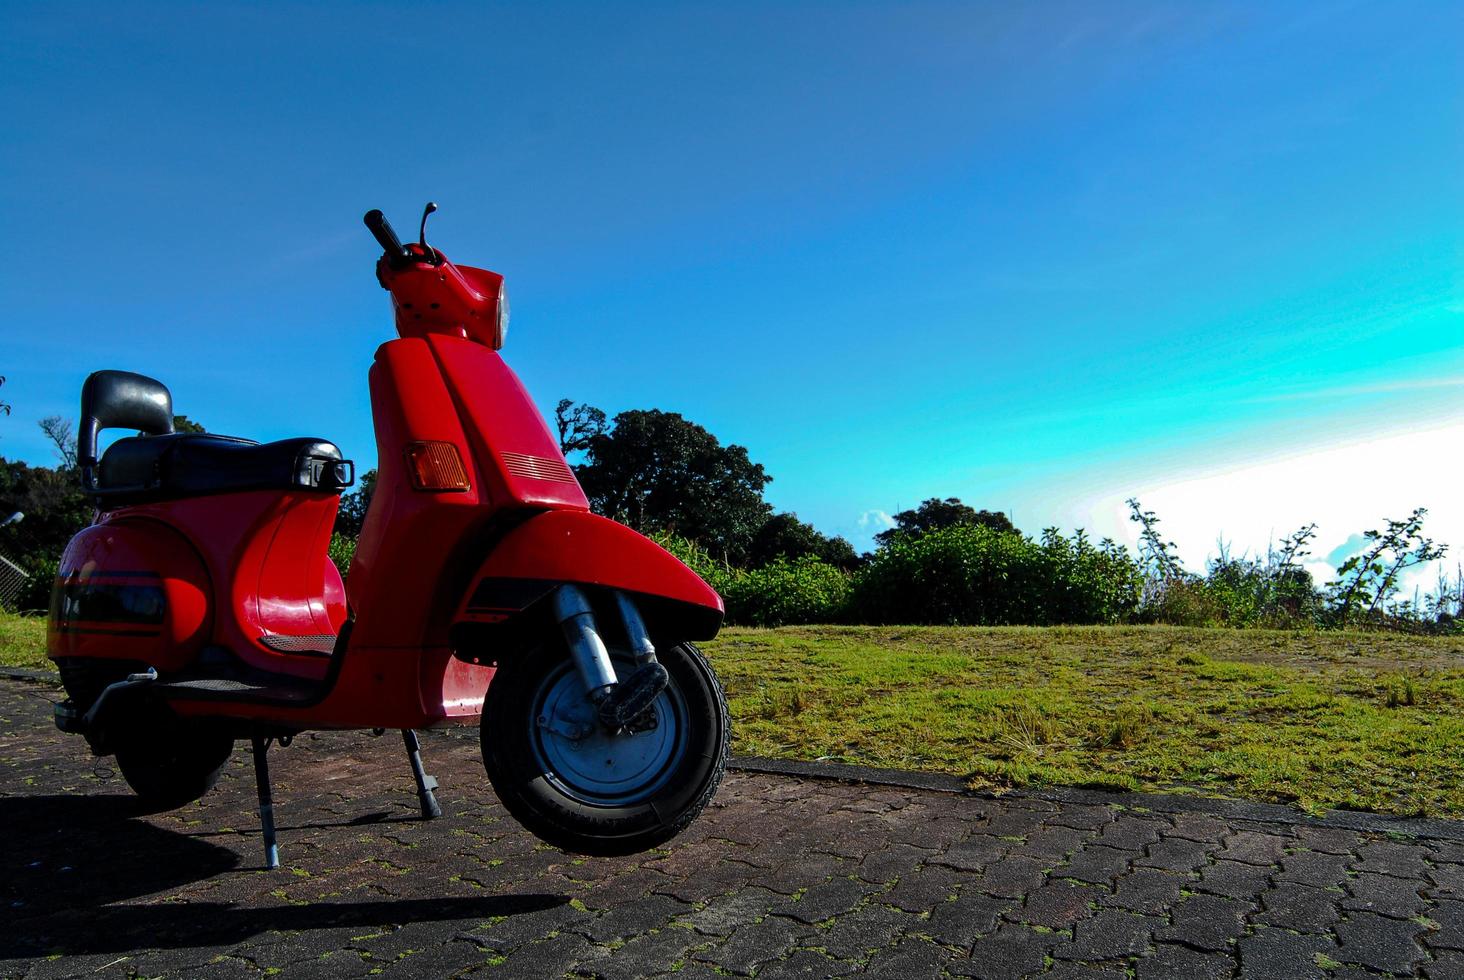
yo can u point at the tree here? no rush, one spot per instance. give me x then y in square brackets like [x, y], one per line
[352, 513]
[4, 406]
[1160, 558]
[935, 513]
[62, 433]
[63, 438]
[54, 506]
[785, 536]
[578, 425]
[1368, 580]
[656, 471]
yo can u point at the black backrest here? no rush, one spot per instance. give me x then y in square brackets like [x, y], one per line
[119, 399]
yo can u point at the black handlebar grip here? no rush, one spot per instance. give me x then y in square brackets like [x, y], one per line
[382, 230]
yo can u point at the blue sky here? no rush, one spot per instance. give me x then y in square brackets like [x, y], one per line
[1031, 255]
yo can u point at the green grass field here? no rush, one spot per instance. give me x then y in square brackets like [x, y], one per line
[1320, 720]
[23, 641]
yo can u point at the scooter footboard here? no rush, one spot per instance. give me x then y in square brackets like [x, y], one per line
[378, 687]
[557, 547]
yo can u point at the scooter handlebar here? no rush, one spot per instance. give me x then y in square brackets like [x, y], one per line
[383, 232]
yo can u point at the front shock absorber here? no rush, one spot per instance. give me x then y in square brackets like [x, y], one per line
[618, 701]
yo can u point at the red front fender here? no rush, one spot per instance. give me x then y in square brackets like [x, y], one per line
[560, 546]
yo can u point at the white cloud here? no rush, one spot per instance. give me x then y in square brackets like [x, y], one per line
[874, 521]
[1345, 489]
[870, 523]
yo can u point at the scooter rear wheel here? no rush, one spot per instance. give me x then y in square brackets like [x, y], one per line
[583, 789]
[170, 762]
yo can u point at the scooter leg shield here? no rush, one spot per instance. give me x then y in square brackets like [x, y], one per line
[557, 547]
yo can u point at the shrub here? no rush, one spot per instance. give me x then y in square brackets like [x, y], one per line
[1242, 592]
[1185, 600]
[976, 575]
[787, 592]
[1367, 581]
[1238, 592]
[783, 592]
[1086, 583]
[715, 571]
[35, 594]
[342, 550]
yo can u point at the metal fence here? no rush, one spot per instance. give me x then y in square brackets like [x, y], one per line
[12, 580]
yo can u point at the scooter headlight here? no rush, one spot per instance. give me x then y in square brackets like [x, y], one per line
[502, 333]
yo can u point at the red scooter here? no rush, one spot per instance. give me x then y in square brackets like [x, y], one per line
[201, 607]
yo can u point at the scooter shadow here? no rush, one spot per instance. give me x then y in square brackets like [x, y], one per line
[67, 859]
[82, 852]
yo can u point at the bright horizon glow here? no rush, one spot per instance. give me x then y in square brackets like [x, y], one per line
[1040, 257]
[1253, 505]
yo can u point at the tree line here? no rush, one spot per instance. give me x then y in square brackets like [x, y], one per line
[943, 561]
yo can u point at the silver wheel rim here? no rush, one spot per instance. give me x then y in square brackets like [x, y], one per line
[602, 769]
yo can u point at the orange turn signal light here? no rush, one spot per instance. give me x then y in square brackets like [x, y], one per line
[436, 466]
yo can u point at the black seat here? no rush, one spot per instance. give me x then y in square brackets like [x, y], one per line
[160, 464]
[190, 464]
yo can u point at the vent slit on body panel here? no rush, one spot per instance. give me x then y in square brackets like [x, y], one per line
[537, 467]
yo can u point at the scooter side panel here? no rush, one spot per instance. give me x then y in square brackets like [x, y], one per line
[295, 592]
[265, 552]
[130, 590]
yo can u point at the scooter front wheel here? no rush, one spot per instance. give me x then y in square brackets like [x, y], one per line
[582, 788]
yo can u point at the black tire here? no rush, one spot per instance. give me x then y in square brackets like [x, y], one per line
[170, 762]
[561, 806]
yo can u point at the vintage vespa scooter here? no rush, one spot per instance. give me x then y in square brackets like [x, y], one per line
[201, 606]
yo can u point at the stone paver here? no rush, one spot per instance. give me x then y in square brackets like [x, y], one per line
[783, 876]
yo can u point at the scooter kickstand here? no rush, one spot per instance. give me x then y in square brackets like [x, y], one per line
[266, 803]
[425, 783]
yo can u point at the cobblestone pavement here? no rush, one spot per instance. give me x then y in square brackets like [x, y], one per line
[782, 877]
